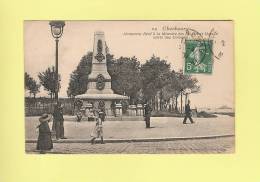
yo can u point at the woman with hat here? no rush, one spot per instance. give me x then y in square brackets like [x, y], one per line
[44, 141]
[98, 129]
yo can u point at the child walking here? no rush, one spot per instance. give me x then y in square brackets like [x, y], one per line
[98, 129]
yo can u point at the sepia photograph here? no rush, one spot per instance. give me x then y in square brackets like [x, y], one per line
[129, 87]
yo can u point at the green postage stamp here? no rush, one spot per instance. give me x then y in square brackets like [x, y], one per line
[198, 56]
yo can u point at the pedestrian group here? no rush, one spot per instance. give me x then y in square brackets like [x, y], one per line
[44, 142]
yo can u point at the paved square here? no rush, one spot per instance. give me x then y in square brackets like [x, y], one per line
[162, 127]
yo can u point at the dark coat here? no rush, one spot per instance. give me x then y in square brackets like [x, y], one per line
[44, 139]
[58, 115]
[103, 116]
[187, 110]
[147, 111]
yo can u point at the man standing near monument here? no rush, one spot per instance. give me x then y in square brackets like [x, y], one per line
[187, 113]
[147, 115]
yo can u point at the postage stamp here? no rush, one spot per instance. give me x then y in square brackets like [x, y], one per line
[198, 56]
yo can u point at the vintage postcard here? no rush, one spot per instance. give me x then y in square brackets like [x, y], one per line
[132, 87]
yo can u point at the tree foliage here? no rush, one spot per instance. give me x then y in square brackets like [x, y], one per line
[31, 85]
[185, 82]
[155, 75]
[171, 89]
[79, 77]
[124, 72]
[142, 83]
[48, 80]
[125, 75]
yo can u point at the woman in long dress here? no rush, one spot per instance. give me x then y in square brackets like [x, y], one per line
[98, 129]
[44, 141]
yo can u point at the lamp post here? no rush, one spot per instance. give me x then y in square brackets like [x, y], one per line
[56, 31]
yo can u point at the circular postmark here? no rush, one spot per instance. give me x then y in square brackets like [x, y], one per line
[198, 51]
[196, 46]
[211, 36]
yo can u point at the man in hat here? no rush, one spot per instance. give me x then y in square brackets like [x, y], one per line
[44, 141]
[58, 121]
[187, 113]
[147, 114]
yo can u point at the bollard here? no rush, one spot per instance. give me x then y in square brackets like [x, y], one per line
[139, 110]
[132, 110]
[118, 110]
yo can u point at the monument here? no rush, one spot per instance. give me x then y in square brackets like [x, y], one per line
[99, 94]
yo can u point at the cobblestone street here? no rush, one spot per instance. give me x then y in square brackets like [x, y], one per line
[217, 145]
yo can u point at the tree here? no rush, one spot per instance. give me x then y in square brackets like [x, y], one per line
[125, 75]
[31, 85]
[35, 88]
[79, 77]
[48, 80]
[124, 72]
[171, 89]
[186, 81]
[27, 80]
[155, 75]
[142, 83]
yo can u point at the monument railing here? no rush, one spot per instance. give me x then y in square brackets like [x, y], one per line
[38, 106]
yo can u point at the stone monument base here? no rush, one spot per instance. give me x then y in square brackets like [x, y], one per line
[110, 103]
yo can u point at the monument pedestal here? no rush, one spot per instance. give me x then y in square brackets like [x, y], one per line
[99, 92]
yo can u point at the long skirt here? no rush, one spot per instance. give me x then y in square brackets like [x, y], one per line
[97, 132]
[44, 142]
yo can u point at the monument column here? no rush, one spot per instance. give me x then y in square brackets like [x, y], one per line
[99, 79]
[99, 91]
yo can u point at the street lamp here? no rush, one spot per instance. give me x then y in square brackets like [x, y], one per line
[56, 31]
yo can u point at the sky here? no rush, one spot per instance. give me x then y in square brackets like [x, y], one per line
[217, 89]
